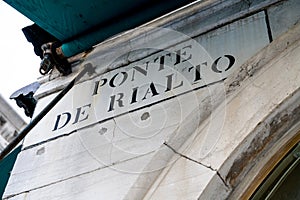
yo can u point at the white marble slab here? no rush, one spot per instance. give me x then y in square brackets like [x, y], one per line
[157, 78]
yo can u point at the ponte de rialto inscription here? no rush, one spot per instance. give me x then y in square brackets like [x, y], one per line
[162, 76]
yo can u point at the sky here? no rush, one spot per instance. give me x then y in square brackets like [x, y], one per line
[19, 65]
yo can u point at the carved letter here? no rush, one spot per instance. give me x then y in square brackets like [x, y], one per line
[113, 99]
[111, 82]
[152, 89]
[162, 61]
[68, 117]
[170, 83]
[140, 70]
[82, 113]
[215, 64]
[197, 71]
[97, 85]
[134, 95]
[180, 54]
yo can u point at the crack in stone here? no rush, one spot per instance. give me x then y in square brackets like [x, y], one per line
[111, 141]
[195, 161]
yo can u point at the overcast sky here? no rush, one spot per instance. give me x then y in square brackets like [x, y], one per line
[19, 64]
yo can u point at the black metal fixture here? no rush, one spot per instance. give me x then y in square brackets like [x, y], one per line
[53, 57]
[48, 48]
[24, 98]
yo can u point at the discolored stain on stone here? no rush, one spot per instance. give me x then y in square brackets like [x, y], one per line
[267, 132]
[255, 147]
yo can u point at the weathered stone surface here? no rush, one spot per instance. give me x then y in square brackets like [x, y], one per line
[260, 94]
[283, 16]
[170, 147]
[87, 150]
[188, 184]
[256, 100]
[242, 38]
[106, 183]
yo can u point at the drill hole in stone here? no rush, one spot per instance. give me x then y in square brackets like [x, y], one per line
[102, 130]
[40, 151]
[145, 116]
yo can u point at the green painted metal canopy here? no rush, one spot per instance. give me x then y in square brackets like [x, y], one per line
[82, 24]
[6, 166]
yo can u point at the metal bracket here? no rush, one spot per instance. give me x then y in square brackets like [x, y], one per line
[24, 98]
[53, 57]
